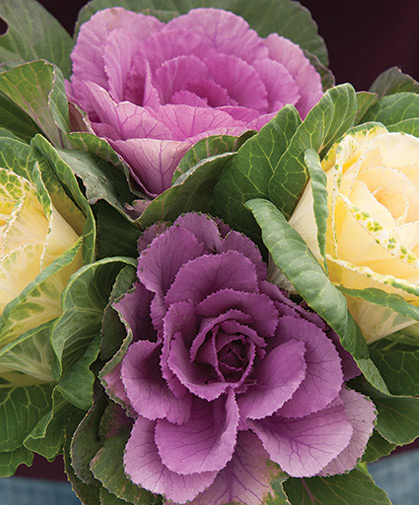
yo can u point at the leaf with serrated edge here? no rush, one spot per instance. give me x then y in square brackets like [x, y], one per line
[291, 254]
[287, 18]
[356, 487]
[325, 123]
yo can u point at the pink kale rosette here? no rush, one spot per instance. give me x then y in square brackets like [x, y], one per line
[153, 89]
[227, 380]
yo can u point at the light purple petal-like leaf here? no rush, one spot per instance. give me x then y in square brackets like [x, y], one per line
[152, 161]
[205, 443]
[302, 447]
[187, 122]
[240, 79]
[147, 390]
[207, 274]
[276, 378]
[324, 377]
[304, 74]
[246, 478]
[114, 386]
[88, 54]
[280, 86]
[224, 31]
[360, 412]
[174, 74]
[143, 465]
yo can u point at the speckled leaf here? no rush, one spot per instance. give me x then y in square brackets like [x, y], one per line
[356, 487]
[393, 81]
[325, 123]
[394, 108]
[38, 89]
[33, 33]
[288, 18]
[291, 254]
[247, 174]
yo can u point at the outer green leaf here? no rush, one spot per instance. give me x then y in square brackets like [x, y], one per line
[106, 498]
[319, 189]
[19, 157]
[247, 174]
[20, 410]
[285, 17]
[398, 419]
[15, 120]
[9, 461]
[110, 224]
[101, 179]
[33, 33]
[377, 447]
[192, 192]
[107, 466]
[210, 146]
[325, 123]
[365, 102]
[291, 254]
[398, 416]
[66, 177]
[100, 148]
[38, 89]
[86, 442]
[356, 487]
[47, 437]
[88, 493]
[75, 337]
[113, 331]
[410, 126]
[393, 81]
[394, 108]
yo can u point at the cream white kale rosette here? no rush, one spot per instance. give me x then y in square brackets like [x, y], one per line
[372, 236]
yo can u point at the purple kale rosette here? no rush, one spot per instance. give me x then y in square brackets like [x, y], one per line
[153, 89]
[227, 380]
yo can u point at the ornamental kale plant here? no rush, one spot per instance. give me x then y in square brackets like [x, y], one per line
[153, 89]
[226, 375]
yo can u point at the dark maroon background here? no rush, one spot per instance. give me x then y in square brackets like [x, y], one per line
[364, 38]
